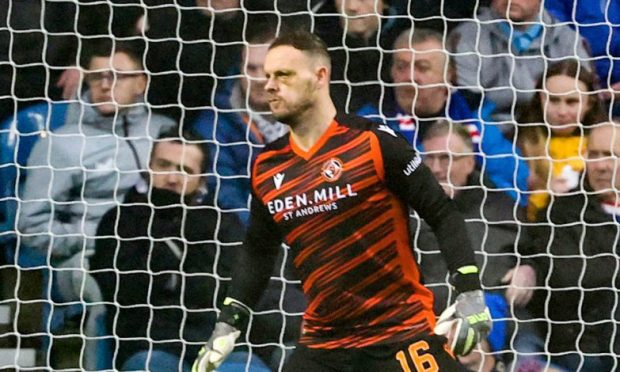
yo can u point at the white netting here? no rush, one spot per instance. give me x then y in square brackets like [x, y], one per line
[69, 155]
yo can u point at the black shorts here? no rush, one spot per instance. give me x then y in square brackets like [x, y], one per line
[423, 354]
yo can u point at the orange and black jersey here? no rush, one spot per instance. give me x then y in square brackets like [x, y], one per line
[342, 208]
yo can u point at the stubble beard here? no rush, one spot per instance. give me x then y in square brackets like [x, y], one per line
[295, 114]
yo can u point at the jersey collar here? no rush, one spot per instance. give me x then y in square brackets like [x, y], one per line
[306, 155]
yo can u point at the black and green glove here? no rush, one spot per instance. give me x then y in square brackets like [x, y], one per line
[233, 318]
[468, 318]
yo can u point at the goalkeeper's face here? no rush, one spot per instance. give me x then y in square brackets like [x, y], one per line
[294, 80]
[114, 83]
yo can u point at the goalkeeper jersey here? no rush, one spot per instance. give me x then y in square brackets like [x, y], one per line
[342, 207]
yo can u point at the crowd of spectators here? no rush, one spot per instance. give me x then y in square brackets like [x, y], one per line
[141, 198]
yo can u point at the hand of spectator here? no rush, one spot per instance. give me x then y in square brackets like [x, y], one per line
[522, 280]
[566, 181]
[562, 184]
[142, 26]
[69, 81]
[559, 185]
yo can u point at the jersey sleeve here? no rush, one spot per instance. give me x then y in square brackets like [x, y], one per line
[415, 185]
[254, 265]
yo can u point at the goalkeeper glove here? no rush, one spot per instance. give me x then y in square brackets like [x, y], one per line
[468, 317]
[234, 317]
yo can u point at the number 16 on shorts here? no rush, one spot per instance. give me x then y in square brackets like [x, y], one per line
[419, 354]
[430, 354]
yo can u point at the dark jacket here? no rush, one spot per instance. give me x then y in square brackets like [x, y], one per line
[160, 267]
[576, 254]
[492, 223]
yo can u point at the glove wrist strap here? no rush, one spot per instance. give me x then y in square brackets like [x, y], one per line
[235, 313]
[465, 279]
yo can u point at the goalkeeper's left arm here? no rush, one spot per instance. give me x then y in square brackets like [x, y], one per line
[469, 314]
[468, 319]
[408, 177]
[251, 273]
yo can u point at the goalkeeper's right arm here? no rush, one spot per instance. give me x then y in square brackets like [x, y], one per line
[233, 318]
[251, 273]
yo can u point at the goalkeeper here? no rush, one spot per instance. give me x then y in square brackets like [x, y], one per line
[336, 190]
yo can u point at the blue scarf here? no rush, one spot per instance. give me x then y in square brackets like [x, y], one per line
[521, 40]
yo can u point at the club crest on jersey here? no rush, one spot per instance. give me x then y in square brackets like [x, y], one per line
[332, 169]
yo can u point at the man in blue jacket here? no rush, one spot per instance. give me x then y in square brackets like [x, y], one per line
[238, 126]
[421, 72]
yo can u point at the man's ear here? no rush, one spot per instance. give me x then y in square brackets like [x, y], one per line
[322, 74]
[140, 86]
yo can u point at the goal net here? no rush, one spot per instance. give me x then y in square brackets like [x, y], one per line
[102, 266]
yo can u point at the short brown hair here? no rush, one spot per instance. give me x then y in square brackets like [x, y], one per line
[304, 41]
[186, 137]
[105, 47]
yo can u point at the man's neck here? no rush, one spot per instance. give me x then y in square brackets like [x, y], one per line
[609, 198]
[434, 109]
[311, 126]
[521, 24]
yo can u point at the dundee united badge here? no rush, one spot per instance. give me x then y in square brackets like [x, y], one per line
[332, 169]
